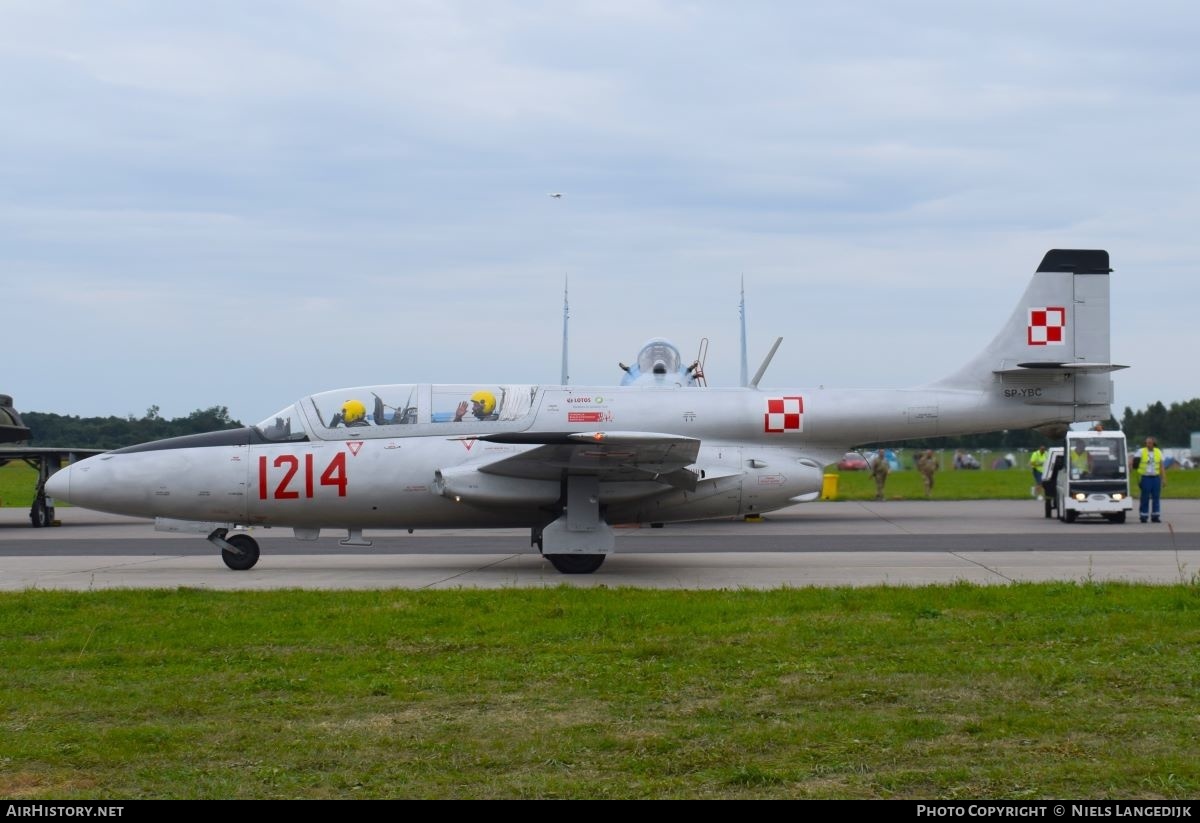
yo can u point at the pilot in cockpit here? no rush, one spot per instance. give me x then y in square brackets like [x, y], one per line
[483, 406]
[353, 413]
[659, 364]
[658, 357]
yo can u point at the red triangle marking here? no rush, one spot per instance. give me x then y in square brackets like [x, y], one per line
[354, 446]
[467, 444]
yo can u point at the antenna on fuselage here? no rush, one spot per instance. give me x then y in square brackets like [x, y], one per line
[566, 315]
[742, 315]
[766, 362]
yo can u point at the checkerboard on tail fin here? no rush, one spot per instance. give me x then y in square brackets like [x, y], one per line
[1047, 326]
[1054, 349]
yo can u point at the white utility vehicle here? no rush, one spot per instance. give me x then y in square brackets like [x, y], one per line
[1089, 474]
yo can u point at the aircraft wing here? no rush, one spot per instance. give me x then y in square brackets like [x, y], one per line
[609, 455]
[22, 452]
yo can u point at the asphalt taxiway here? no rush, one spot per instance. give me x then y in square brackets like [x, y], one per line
[814, 544]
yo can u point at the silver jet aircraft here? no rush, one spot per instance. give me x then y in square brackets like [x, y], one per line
[567, 462]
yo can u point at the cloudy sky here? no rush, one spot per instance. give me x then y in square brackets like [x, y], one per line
[232, 203]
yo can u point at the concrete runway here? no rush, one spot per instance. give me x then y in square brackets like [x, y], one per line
[814, 544]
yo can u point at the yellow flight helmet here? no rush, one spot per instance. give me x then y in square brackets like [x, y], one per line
[486, 400]
[353, 411]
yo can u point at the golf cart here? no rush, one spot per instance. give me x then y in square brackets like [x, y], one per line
[1088, 475]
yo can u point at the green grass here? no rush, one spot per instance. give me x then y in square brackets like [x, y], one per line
[1055, 690]
[982, 484]
[17, 484]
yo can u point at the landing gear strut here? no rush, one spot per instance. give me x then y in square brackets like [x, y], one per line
[579, 540]
[41, 513]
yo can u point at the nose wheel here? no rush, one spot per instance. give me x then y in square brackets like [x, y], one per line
[576, 563]
[246, 554]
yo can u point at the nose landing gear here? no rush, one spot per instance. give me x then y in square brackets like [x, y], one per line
[240, 552]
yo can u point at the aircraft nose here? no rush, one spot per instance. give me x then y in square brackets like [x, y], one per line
[88, 483]
[59, 484]
[81, 484]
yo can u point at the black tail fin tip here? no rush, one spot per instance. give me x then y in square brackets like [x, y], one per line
[1079, 261]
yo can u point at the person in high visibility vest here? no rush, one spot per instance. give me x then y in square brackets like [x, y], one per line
[1080, 461]
[1152, 477]
[1037, 464]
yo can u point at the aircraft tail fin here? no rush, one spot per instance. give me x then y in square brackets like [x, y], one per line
[565, 377]
[1054, 349]
[745, 373]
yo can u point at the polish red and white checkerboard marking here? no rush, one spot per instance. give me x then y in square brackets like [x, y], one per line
[784, 414]
[1047, 326]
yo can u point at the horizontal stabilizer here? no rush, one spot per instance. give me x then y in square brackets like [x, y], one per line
[1074, 368]
[1043, 401]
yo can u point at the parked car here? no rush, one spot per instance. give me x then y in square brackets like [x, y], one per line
[852, 462]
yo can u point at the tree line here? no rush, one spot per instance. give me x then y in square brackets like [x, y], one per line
[73, 431]
[1171, 426]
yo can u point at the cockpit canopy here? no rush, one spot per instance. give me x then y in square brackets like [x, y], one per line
[659, 356]
[399, 409]
[658, 363]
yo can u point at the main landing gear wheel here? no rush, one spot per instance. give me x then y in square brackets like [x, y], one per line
[40, 514]
[576, 563]
[248, 547]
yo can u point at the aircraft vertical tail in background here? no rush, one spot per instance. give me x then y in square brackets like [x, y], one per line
[745, 370]
[1054, 349]
[565, 377]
